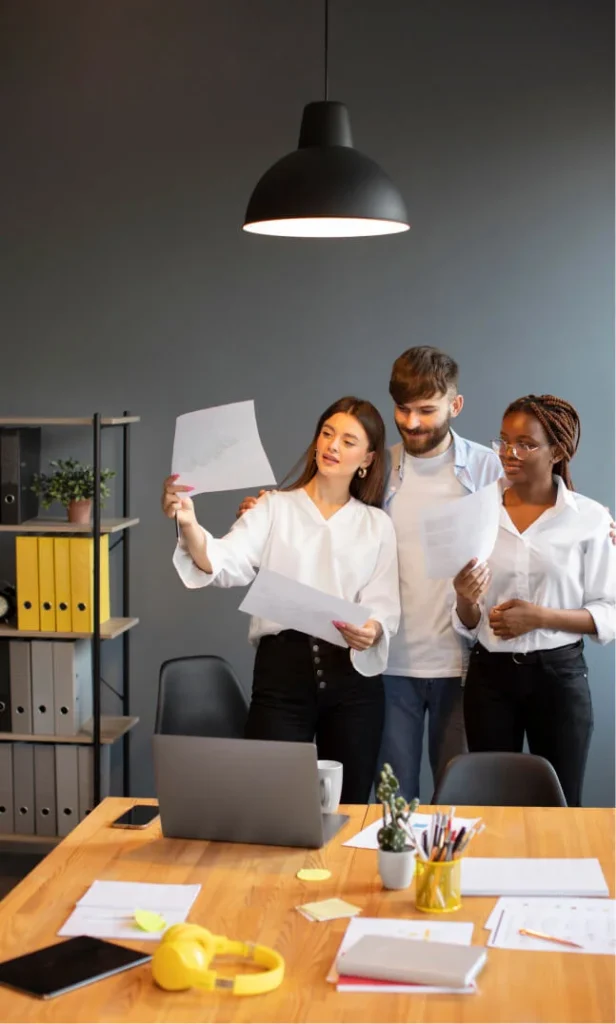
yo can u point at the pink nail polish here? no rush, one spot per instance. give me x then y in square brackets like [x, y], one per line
[190, 488]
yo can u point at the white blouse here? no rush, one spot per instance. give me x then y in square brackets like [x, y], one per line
[565, 559]
[350, 555]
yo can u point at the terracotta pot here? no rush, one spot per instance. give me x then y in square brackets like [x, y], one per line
[396, 869]
[80, 511]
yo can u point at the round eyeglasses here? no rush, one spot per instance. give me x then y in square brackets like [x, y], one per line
[520, 450]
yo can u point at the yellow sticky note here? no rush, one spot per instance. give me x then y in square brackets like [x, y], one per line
[314, 874]
[329, 910]
[149, 921]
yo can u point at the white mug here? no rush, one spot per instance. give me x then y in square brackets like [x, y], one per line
[330, 785]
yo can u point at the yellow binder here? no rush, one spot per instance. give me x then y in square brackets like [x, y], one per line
[47, 596]
[26, 558]
[62, 574]
[82, 582]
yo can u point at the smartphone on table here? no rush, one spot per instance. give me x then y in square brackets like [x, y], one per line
[139, 816]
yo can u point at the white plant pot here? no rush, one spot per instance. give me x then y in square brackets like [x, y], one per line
[396, 869]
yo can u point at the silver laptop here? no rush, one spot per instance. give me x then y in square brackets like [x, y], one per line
[241, 791]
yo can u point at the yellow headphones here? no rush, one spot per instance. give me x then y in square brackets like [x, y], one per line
[183, 958]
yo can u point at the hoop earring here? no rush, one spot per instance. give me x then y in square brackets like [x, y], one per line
[362, 472]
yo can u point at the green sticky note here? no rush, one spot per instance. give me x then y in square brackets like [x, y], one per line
[149, 921]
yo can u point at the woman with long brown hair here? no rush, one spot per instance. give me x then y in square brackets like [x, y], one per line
[327, 530]
[550, 581]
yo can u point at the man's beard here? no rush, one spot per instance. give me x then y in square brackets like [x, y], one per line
[420, 442]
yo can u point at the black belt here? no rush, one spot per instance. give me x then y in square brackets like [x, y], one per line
[553, 654]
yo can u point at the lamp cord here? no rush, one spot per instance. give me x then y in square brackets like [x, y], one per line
[326, 49]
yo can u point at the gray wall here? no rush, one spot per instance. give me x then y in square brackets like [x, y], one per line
[134, 131]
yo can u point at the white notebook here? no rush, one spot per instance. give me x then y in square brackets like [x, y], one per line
[530, 876]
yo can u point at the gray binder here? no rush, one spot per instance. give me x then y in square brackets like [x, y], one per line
[21, 686]
[23, 788]
[5, 689]
[67, 787]
[45, 789]
[42, 688]
[72, 685]
[85, 757]
[7, 822]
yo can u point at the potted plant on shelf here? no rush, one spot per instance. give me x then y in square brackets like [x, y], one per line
[396, 847]
[72, 484]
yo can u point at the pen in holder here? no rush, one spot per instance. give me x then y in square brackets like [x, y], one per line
[438, 868]
[437, 886]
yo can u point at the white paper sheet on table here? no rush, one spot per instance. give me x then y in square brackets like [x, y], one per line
[455, 531]
[590, 922]
[106, 910]
[532, 876]
[366, 839]
[297, 606]
[219, 449]
[458, 932]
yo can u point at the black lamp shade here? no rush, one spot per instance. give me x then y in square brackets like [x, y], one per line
[326, 188]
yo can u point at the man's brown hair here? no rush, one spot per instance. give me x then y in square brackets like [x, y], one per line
[422, 372]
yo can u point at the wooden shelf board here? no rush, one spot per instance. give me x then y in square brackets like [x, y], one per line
[40, 525]
[65, 421]
[112, 728]
[109, 631]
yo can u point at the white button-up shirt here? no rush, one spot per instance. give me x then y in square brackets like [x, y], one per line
[565, 559]
[350, 555]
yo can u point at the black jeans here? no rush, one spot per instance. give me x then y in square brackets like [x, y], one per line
[305, 689]
[544, 694]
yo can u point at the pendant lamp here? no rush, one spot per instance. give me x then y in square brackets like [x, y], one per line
[325, 188]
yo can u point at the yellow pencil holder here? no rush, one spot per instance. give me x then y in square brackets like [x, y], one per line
[437, 886]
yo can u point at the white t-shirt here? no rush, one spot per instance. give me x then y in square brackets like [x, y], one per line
[426, 644]
[352, 555]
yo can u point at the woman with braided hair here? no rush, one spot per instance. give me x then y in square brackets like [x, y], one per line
[550, 581]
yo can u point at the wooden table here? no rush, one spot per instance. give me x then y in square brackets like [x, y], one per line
[250, 892]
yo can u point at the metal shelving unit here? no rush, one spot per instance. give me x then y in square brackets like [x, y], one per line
[100, 729]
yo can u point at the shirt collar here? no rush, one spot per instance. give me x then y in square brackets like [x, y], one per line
[563, 495]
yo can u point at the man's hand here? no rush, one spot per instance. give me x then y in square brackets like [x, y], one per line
[360, 638]
[472, 581]
[249, 503]
[514, 618]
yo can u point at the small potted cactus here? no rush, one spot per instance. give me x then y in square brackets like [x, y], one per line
[396, 846]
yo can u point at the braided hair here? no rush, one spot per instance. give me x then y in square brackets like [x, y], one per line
[561, 424]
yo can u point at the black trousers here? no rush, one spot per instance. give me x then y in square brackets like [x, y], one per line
[544, 695]
[305, 689]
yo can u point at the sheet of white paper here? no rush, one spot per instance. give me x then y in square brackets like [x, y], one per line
[458, 932]
[145, 895]
[295, 605]
[521, 876]
[366, 839]
[106, 910]
[219, 449]
[455, 531]
[589, 922]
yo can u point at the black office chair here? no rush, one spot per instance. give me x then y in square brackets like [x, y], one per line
[500, 779]
[200, 696]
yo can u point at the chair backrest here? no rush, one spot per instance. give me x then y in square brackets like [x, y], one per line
[500, 779]
[200, 696]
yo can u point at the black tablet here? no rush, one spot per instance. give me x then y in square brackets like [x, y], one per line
[68, 965]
